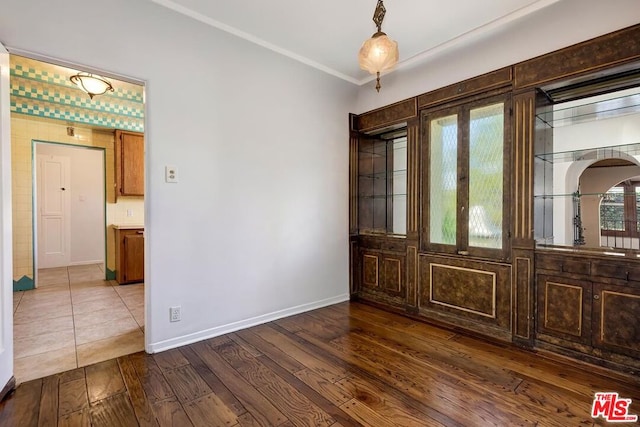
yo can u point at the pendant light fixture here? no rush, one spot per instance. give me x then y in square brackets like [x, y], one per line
[92, 84]
[379, 53]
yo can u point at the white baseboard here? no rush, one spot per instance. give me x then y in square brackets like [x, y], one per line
[97, 261]
[242, 324]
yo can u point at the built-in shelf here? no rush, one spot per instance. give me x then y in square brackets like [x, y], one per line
[602, 109]
[596, 153]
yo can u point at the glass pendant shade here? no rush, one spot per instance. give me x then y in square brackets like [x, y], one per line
[93, 85]
[378, 54]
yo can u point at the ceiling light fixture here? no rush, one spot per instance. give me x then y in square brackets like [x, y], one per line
[379, 53]
[93, 85]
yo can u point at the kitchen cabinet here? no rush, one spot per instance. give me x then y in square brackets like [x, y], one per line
[129, 255]
[129, 154]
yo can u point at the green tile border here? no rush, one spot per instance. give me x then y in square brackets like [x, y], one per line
[24, 284]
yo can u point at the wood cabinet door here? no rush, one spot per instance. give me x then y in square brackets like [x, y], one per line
[615, 318]
[133, 256]
[564, 308]
[129, 163]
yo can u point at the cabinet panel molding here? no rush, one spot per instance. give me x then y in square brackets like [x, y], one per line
[392, 274]
[563, 308]
[602, 52]
[387, 116]
[474, 294]
[466, 289]
[522, 282]
[370, 271]
[491, 80]
[617, 311]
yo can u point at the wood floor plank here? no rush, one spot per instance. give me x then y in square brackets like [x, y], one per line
[299, 409]
[170, 412]
[316, 398]
[49, 402]
[209, 410]
[76, 419]
[331, 371]
[385, 404]
[269, 349]
[113, 411]
[333, 392]
[244, 363]
[21, 409]
[213, 381]
[456, 363]
[104, 380]
[442, 393]
[327, 352]
[365, 415]
[264, 412]
[170, 359]
[186, 383]
[156, 387]
[140, 404]
[249, 348]
[72, 397]
[344, 365]
[72, 375]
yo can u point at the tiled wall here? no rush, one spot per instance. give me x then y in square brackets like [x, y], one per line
[44, 90]
[24, 129]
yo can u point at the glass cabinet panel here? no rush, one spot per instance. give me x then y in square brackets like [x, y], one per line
[486, 147]
[382, 184]
[443, 182]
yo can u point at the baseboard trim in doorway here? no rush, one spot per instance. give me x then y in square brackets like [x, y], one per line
[8, 388]
[24, 284]
[86, 262]
[242, 324]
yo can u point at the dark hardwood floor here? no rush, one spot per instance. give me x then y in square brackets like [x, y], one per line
[344, 365]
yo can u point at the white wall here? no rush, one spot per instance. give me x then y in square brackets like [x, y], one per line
[559, 25]
[87, 200]
[257, 226]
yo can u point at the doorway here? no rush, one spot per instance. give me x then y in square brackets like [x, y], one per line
[68, 310]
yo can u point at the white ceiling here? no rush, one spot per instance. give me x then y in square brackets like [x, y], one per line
[327, 34]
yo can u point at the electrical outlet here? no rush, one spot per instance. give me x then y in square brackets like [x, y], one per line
[174, 314]
[171, 174]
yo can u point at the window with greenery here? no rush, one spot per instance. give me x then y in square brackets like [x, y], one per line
[466, 179]
[382, 183]
[620, 211]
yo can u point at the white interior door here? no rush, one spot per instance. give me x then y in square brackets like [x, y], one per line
[54, 222]
[6, 248]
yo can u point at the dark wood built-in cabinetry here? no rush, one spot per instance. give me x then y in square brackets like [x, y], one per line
[589, 304]
[129, 161]
[129, 255]
[476, 247]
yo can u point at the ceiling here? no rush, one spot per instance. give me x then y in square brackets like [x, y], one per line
[327, 34]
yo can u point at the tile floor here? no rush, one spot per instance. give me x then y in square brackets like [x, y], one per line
[73, 319]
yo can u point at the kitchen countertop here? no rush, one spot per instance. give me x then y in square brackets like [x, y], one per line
[127, 226]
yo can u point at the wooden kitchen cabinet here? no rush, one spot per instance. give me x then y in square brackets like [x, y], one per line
[129, 163]
[129, 255]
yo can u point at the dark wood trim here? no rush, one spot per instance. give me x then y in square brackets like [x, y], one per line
[523, 128]
[599, 53]
[353, 183]
[388, 116]
[413, 158]
[475, 85]
[8, 388]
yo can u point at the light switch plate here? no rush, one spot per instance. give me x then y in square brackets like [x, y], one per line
[170, 174]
